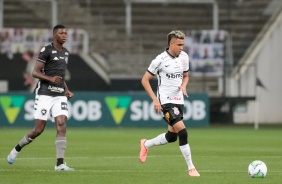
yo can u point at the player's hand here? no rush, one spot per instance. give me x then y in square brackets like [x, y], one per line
[157, 105]
[69, 94]
[56, 79]
[183, 90]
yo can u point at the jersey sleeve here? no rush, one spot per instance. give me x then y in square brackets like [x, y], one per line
[154, 66]
[186, 63]
[43, 55]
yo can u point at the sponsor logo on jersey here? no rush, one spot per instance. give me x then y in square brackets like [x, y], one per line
[42, 49]
[174, 75]
[54, 51]
[56, 89]
[62, 58]
[173, 98]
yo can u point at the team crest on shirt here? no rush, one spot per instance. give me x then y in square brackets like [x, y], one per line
[183, 63]
[175, 110]
[43, 111]
[167, 116]
[66, 59]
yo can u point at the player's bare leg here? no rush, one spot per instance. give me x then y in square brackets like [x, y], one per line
[28, 138]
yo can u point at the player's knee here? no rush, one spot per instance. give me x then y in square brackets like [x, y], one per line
[35, 132]
[183, 137]
[171, 136]
[60, 121]
[61, 124]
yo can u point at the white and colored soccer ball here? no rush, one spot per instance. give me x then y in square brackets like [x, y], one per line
[257, 169]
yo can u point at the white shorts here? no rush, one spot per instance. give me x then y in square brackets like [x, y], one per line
[48, 106]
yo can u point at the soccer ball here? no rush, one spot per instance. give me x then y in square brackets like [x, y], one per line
[257, 169]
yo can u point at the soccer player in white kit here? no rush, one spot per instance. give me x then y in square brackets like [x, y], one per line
[171, 68]
[51, 96]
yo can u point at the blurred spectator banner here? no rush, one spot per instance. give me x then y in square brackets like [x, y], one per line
[206, 52]
[22, 40]
[104, 110]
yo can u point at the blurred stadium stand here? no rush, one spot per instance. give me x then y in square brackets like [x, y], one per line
[128, 58]
[81, 75]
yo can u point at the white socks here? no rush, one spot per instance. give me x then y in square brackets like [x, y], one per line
[159, 140]
[25, 141]
[185, 149]
[60, 146]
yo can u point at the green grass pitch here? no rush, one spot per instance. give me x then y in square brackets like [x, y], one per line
[110, 155]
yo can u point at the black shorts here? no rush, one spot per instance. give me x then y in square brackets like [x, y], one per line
[172, 113]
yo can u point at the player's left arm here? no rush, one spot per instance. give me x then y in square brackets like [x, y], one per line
[185, 81]
[68, 93]
[185, 78]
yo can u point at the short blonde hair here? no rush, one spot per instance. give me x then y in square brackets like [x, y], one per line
[175, 34]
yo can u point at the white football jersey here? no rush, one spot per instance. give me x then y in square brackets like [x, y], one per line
[169, 71]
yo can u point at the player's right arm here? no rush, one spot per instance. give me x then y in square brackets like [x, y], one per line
[147, 86]
[42, 59]
[149, 74]
[37, 73]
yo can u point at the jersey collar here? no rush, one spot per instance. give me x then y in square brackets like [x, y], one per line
[52, 44]
[170, 54]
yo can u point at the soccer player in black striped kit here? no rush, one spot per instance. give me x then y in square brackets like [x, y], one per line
[51, 95]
